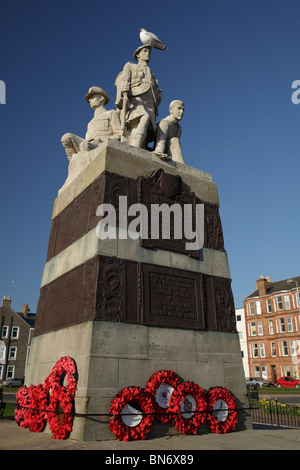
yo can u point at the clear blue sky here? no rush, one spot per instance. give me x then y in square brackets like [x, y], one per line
[231, 61]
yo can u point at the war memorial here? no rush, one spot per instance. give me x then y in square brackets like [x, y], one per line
[135, 330]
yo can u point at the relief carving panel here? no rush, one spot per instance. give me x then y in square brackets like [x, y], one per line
[112, 289]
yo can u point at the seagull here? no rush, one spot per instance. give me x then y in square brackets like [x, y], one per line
[150, 39]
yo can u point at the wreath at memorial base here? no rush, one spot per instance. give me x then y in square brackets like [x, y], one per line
[161, 386]
[30, 405]
[132, 413]
[188, 405]
[22, 417]
[65, 368]
[61, 406]
[59, 415]
[50, 401]
[222, 410]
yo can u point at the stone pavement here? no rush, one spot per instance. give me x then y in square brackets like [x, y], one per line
[12, 437]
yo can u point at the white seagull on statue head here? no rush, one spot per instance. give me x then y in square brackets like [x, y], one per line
[149, 39]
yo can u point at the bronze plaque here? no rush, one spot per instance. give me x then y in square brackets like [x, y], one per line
[172, 298]
[167, 193]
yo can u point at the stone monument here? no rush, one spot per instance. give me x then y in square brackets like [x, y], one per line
[122, 303]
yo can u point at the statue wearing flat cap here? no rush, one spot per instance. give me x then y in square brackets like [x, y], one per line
[138, 97]
[105, 124]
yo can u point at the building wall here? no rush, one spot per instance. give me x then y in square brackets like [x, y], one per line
[14, 339]
[273, 333]
[241, 329]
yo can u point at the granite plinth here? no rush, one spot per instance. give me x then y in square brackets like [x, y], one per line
[112, 356]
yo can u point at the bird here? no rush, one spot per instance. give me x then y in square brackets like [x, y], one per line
[149, 39]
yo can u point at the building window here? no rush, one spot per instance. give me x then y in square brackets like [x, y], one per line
[256, 371]
[238, 318]
[253, 329]
[293, 348]
[258, 308]
[289, 323]
[273, 349]
[12, 353]
[4, 332]
[297, 299]
[260, 328]
[269, 306]
[15, 332]
[264, 372]
[279, 302]
[1, 372]
[10, 372]
[281, 325]
[284, 348]
[262, 349]
[251, 308]
[271, 327]
[254, 350]
[2, 352]
[287, 302]
[295, 371]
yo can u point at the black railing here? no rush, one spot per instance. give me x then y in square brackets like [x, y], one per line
[272, 412]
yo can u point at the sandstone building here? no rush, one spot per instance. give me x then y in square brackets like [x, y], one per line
[16, 331]
[272, 315]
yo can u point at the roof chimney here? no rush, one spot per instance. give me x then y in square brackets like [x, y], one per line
[6, 302]
[25, 310]
[261, 285]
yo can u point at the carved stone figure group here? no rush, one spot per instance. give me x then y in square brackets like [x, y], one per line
[137, 101]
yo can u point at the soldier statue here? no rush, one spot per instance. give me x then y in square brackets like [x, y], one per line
[138, 98]
[105, 124]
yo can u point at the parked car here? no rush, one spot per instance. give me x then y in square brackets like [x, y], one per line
[288, 382]
[259, 382]
[13, 382]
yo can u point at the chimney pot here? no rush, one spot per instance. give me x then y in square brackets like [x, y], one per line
[25, 310]
[6, 302]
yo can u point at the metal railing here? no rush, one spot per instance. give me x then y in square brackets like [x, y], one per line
[272, 412]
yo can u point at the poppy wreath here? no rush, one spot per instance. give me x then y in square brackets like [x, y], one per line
[59, 414]
[22, 404]
[132, 395]
[226, 422]
[180, 404]
[65, 368]
[160, 386]
[37, 404]
[61, 402]
[30, 403]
